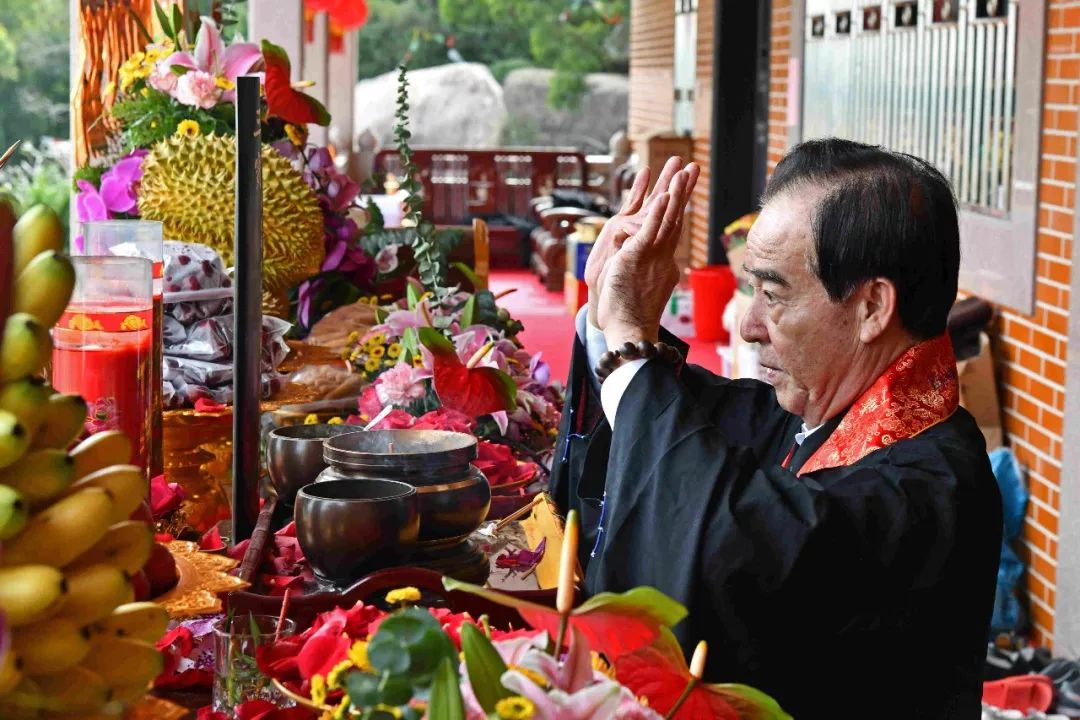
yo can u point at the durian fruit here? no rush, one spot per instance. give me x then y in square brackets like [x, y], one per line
[187, 184]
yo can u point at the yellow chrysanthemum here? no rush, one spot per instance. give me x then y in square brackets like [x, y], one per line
[335, 421]
[333, 678]
[376, 340]
[377, 351]
[515, 708]
[311, 419]
[535, 677]
[297, 134]
[188, 128]
[318, 689]
[418, 360]
[353, 337]
[224, 83]
[358, 655]
[372, 364]
[346, 354]
[403, 595]
[394, 350]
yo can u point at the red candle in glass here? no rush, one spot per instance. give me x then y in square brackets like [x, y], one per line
[103, 348]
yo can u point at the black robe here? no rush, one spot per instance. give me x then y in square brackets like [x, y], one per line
[856, 592]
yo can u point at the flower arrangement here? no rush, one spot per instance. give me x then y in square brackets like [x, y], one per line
[612, 657]
[178, 89]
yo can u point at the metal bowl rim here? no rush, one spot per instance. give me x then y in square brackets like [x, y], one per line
[281, 433]
[463, 454]
[409, 490]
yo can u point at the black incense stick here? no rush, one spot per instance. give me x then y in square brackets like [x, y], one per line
[247, 313]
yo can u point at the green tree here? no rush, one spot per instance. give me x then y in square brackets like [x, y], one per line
[574, 37]
[34, 54]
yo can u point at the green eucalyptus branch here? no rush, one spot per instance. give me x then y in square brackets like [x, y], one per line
[430, 264]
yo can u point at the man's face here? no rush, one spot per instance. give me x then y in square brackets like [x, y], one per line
[807, 341]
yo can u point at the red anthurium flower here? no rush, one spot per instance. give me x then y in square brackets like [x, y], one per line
[474, 391]
[612, 624]
[659, 672]
[282, 99]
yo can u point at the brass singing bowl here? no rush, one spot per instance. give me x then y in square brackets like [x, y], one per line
[294, 456]
[348, 528]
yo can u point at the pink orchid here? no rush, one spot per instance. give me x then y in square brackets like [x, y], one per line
[214, 59]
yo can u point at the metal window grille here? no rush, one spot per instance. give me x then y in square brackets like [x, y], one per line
[933, 79]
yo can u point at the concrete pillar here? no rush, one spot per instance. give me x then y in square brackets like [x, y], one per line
[282, 23]
[316, 65]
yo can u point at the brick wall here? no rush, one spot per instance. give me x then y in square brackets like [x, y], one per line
[1030, 349]
[652, 52]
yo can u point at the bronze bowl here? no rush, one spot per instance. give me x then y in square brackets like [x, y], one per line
[453, 495]
[348, 528]
[294, 456]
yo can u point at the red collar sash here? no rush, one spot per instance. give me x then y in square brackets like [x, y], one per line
[918, 390]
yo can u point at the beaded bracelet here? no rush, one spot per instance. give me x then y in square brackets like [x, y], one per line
[646, 350]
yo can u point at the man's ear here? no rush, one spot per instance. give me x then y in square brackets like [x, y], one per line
[876, 308]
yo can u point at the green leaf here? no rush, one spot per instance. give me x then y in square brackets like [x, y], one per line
[254, 626]
[470, 276]
[178, 22]
[762, 707]
[388, 654]
[166, 26]
[410, 343]
[446, 702]
[139, 24]
[413, 296]
[394, 690]
[436, 342]
[485, 667]
[363, 688]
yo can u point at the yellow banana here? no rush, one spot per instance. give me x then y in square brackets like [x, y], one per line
[74, 690]
[124, 662]
[44, 287]
[62, 421]
[126, 483]
[30, 592]
[26, 347]
[125, 545]
[94, 591]
[38, 229]
[26, 399]
[14, 438]
[63, 531]
[50, 646]
[128, 694]
[145, 621]
[100, 450]
[10, 674]
[40, 475]
[13, 512]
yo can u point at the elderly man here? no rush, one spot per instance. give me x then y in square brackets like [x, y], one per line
[835, 530]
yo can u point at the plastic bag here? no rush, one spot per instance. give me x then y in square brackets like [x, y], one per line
[177, 393]
[211, 340]
[191, 268]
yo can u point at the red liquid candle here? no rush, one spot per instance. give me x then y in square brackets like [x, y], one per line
[103, 348]
[143, 239]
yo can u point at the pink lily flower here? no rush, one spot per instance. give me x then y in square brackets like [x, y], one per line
[212, 57]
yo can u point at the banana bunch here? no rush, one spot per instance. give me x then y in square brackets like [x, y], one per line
[68, 548]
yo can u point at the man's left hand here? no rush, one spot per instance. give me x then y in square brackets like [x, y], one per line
[640, 277]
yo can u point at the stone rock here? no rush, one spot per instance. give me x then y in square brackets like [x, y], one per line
[602, 112]
[457, 105]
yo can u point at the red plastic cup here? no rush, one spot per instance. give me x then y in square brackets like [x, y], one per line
[713, 287]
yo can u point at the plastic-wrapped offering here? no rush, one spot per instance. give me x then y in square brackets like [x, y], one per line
[191, 268]
[177, 393]
[173, 332]
[212, 340]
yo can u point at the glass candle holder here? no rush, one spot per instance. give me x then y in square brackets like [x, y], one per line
[143, 239]
[102, 347]
[237, 678]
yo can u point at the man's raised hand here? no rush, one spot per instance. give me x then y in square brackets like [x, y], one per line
[637, 281]
[626, 223]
